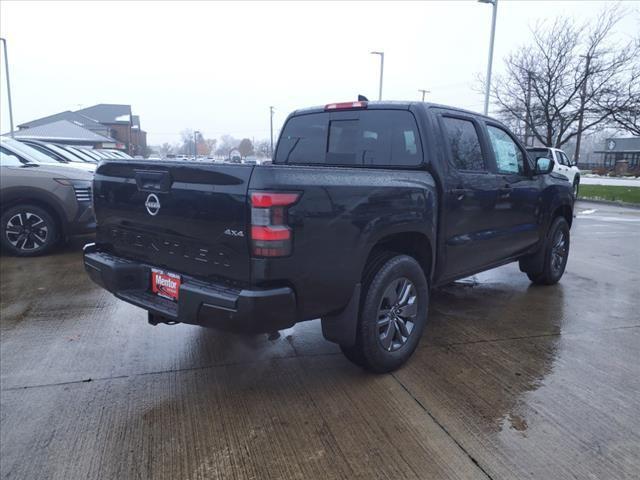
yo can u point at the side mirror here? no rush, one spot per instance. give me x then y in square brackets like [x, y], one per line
[544, 165]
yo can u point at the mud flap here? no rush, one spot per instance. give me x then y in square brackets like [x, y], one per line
[341, 328]
[534, 263]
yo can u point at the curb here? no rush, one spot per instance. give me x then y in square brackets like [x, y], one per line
[610, 203]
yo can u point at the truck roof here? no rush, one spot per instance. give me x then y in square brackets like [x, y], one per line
[392, 104]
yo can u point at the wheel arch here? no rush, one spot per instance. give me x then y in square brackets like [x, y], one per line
[413, 243]
[565, 211]
[42, 199]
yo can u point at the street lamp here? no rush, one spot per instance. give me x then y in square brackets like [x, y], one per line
[423, 92]
[6, 69]
[381, 71]
[494, 3]
[195, 144]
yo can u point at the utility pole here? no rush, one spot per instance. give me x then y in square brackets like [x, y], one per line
[583, 99]
[271, 129]
[6, 69]
[381, 72]
[487, 91]
[527, 112]
[423, 92]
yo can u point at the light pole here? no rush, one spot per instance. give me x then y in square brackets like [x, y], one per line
[381, 72]
[423, 92]
[195, 144]
[6, 69]
[494, 3]
[271, 129]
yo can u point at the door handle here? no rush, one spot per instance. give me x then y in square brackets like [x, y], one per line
[153, 181]
[505, 191]
[459, 193]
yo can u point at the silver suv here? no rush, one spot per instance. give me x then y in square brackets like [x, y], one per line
[41, 203]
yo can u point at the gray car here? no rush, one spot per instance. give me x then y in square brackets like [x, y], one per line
[41, 203]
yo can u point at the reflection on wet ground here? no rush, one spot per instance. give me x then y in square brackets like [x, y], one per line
[510, 381]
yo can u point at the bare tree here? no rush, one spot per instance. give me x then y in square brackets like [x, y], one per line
[245, 147]
[557, 88]
[165, 149]
[628, 119]
[624, 105]
[262, 148]
[227, 143]
[211, 145]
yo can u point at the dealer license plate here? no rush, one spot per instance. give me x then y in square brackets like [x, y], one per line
[165, 284]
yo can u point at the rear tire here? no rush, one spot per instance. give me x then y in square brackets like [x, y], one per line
[555, 256]
[393, 314]
[28, 231]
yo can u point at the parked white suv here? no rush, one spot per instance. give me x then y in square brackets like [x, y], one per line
[562, 164]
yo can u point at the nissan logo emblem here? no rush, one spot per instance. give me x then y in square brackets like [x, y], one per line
[152, 204]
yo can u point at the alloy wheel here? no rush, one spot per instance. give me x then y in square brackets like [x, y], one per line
[26, 231]
[558, 251]
[397, 314]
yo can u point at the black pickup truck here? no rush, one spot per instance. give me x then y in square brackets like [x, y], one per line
[366, 207]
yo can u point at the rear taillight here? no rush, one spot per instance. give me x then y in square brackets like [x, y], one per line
[271, 235]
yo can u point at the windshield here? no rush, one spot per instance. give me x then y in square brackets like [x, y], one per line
[25, 151]
[120, 154]
[64, 153]
[86, 156]
[101, 154]
[362, 138]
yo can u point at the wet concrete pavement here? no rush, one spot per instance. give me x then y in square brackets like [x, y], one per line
[509, 381]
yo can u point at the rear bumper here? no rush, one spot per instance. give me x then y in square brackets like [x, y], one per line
[200, 303]
[84, 222]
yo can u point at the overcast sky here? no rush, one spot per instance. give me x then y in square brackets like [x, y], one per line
[217, 67]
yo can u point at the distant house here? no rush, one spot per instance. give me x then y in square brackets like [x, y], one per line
[120, 121]
[112, 121]
[64, 131]
[617, 149]
[73, 117]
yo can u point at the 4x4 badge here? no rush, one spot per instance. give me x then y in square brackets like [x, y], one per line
[152, 204]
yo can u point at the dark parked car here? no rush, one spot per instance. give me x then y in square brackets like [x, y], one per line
[366, 207]
[41, 203]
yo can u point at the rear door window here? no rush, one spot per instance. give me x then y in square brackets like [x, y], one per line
[353, 138]
[464, 145]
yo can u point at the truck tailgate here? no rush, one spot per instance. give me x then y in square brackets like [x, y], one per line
[182, 216]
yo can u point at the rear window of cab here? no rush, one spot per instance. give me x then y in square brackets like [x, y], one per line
[351, 138]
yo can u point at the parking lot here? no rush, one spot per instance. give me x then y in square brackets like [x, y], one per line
[510, 381]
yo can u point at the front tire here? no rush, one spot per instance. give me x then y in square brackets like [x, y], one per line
[28, 231]
[392, 317]
[555, 255]
[576, 187]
